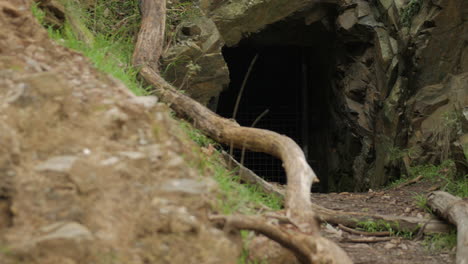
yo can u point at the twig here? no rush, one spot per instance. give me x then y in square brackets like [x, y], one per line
[366, 239]
[357, 232]
[239, 96]
[253, 125]
[244, 82]
[415, 180]
[282, 219]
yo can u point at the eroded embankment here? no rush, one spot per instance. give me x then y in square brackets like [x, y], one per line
[88, 172]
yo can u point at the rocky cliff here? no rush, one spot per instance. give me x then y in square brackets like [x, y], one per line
[397, 91]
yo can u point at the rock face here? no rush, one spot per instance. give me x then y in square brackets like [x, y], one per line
[400, 68]
[193, 62]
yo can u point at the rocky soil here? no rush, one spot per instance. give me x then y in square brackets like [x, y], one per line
[88, 172]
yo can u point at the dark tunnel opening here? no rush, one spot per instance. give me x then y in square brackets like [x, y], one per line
[290, 79]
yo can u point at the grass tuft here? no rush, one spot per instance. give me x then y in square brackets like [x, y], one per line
[235, 197]
[440, 242]
[112, 49]
[381, 226]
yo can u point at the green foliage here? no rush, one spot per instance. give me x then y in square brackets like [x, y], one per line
[234, 196]
[177, 12]
[409, 11]
[112, 49]
[112, 57]
[38, 13]
[381, 226]
[115, 19]
[244, 257]
[180, 11]
[196, 135]
[421, 202]
[242, 198]
[440, 242]
[446, 174]
[396, 153]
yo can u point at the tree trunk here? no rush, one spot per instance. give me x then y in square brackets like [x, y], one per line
[455, 210]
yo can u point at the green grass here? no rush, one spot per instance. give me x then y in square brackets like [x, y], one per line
[38, 13]
[444, 174]
[112, 49]
[235, 197]
[440, 242]
[421, 202]
[241, 198]
[244, 257]
[383, 226]
[196, 135]
[108, 56]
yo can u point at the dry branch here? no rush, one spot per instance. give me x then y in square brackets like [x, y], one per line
[455, 210]
[362, 233]
[415, 180]
[366, 239]
[300, 175]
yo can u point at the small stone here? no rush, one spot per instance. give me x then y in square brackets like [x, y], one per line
[419, 215]
[188, 186]
[389, 245]
[116, 114]
[157, 201]
[153, 152]
[71, 230]
[57, 164]
[175, 162]
[348, 19]
[407, 210]
[403, 246]
[132, 155]
[109, 161]
[86, 151]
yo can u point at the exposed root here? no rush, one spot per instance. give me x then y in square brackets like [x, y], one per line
[308, 248]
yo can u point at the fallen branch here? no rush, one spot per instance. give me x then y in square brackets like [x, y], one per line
[362, 233]
[366, 239]
[413, 181]
[455, 210]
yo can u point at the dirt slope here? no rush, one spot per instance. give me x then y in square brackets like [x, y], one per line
[88, 172]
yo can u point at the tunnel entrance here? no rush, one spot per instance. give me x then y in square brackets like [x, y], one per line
[290, 79]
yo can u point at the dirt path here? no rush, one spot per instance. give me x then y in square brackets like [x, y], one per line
[397, 201]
